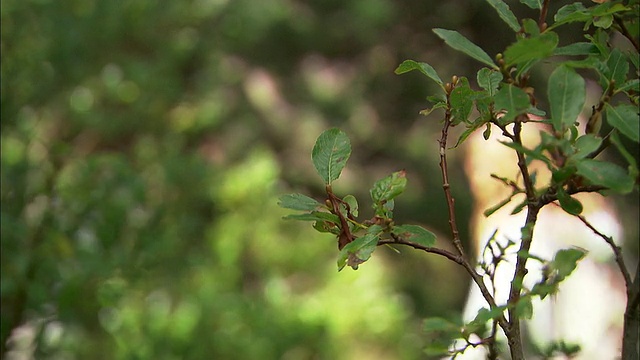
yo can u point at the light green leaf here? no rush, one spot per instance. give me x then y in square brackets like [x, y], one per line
[415, 234]
[513, 100]
[532, 48]
[603, 21]
[489, 80]
[298, 202]
[505, 14]
[389, 187]
[625, 118]
[458, 42]
[330, 154]
[357, 251]
[567, 93]
[353, 204]
[605, 174]
[409, 65]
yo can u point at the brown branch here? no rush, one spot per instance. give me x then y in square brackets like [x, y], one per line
[617, 251]
[542, 24]
[514, 338]
[458, 259]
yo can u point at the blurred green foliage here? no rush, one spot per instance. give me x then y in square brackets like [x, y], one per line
[145, 142]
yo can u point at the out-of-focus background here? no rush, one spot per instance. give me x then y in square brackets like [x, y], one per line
[145, 143]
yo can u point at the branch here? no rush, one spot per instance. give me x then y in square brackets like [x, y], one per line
[533, 207]
[617, 251]
[458, 259]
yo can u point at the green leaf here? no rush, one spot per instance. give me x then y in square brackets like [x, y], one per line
[298, 202]
[458, 42]
[314, 216]
[571, 13]
[605, 174]
[489, 80]
[565, 261]
[409, 65]
[505, 14]
[534, 154]
[567, 94]
[389, 187]
[585, 145]
[353, 204]
[568, 204]
[534, 4]
[357, 251]
[524, 308]
[513, 100]
[415, 234]
[579, 48]
[482, 317]
[617, 67]
[625, 119]
[603, 21]
[633, 84]
[330, 154]
[631, 160]
[461, 100]
[532, 48]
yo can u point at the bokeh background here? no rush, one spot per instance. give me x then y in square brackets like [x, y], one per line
[145, 144]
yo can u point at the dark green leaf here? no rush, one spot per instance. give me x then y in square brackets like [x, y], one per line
[633, 84]
[566, 260]
[534, 4]
[298, 202]
[617, 67]
[625, 119]
[567, 93]
[559, 176]
[605, 174]
[513, 100]
[571, 13]
[631, 160]
[489, 80]
[409, 65]
[330, 154]
[530, 27]
[461, 100]
[415, 234]
[579, 48]
[389, 187]
[460, 43]
[568, 204]
[532, 48]
[505, 14]
[488, 212]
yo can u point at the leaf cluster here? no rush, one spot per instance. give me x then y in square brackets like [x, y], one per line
[357, 240]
